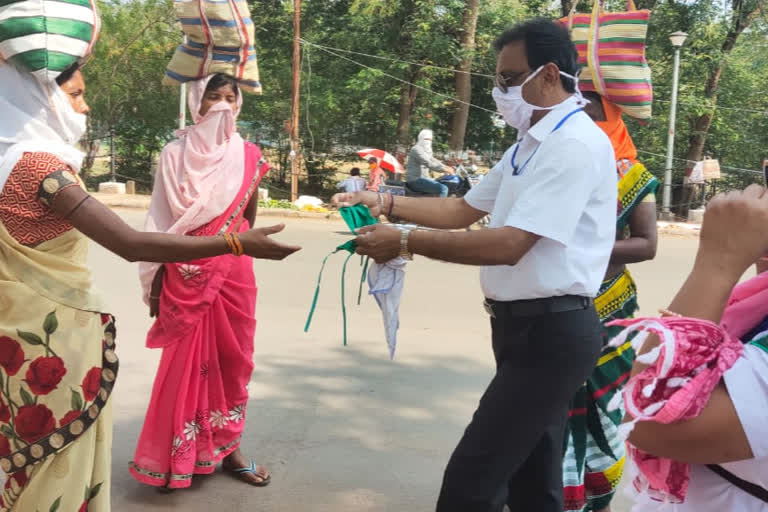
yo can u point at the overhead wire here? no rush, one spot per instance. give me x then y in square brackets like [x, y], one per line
[384, 73]
[381, 57]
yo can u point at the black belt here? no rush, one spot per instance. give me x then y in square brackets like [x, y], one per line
[537, 307]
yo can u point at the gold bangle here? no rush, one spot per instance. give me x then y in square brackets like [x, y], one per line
[238, 244]
[666, 312]
[230, 243]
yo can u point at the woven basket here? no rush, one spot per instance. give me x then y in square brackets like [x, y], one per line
[220, 39]
[611, 50]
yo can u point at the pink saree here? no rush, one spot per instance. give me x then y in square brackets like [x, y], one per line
[206, 327]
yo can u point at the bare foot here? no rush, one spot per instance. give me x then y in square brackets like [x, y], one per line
[237, 461]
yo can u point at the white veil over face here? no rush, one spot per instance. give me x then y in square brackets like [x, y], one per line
[425, 141]
[36, 117]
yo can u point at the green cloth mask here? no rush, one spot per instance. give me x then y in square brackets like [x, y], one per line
[356, 217]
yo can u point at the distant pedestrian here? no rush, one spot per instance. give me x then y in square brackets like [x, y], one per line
[354, 183]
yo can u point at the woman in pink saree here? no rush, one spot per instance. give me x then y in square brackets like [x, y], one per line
[206, 185]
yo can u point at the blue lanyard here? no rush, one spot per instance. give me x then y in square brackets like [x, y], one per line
[516, 171]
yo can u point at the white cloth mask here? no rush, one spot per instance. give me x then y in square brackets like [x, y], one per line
[515, 110]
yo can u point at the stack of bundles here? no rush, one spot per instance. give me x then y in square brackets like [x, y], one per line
[611, 50]
[220, 39]
[46, 37]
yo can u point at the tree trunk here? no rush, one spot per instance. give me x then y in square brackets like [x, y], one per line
[744, 12]
[407, 101]
[565, 6]
[463, 76]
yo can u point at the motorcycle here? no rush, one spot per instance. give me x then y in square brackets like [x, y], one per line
[459, 184]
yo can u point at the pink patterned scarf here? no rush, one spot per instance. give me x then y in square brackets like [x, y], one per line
[684, 370]
[199, 174]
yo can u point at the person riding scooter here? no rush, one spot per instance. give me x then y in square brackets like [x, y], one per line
[420, 163]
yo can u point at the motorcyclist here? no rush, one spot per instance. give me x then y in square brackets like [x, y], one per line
[420, 163]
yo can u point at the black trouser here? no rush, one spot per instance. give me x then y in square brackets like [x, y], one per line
[511, 453]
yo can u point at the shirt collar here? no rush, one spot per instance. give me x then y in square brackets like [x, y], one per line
[546, 124]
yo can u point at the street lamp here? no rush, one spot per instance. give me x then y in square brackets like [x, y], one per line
[677, 39]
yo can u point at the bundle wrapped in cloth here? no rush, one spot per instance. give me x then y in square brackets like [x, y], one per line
[47, 37]
[611, 48]
[220, 39]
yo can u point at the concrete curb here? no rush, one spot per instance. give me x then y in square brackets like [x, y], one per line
[141, 202]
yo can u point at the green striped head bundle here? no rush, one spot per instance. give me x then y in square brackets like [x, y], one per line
[47, 37]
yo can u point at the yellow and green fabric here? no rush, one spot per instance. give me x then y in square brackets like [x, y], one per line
[593, 462]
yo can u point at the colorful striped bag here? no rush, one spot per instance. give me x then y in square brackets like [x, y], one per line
[46, 37]
[220, 39]
[611, 50]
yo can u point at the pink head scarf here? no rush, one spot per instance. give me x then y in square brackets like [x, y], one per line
[684, 369]
[199, 174]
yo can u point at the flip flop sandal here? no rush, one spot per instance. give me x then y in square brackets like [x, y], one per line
[252, 471]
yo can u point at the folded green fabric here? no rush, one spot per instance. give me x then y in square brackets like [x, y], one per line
[356, 217]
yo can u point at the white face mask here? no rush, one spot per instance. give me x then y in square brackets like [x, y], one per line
[72, 125]
[515, 110]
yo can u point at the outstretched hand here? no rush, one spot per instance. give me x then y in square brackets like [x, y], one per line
[258, 243]
[369, 199]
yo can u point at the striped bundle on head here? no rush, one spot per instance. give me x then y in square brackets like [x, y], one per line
[47, 37]
[219, 39]
[611, 47]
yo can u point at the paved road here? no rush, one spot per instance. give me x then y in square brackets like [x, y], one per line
[342, 429]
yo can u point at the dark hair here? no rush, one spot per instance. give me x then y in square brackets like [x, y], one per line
[67, 74]
[545, 41]
[220, 80]
[355, 171]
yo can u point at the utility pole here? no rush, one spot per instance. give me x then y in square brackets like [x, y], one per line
[677, 39]
[183, 102]
[112, 154]
[295, 102]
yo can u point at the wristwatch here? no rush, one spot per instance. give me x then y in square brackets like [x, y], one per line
[404, 252]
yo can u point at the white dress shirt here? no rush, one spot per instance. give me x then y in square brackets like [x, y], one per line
[747, 383]
[565, 192]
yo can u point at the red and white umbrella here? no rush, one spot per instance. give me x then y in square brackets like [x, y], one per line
[386, 161]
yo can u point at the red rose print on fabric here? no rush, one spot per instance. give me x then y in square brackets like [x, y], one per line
[34, 422]
[44, 374]
[5, 412]
[70, 417]
[91, 383]
[11, 355]
[5, 446]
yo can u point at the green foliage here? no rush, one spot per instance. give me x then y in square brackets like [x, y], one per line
[351, 100]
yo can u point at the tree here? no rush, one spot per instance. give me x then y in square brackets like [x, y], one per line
[123, 79]
[743, 13]
[463, 76]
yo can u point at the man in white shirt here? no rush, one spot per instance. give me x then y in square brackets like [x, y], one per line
[552, 200]
[354, 183]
